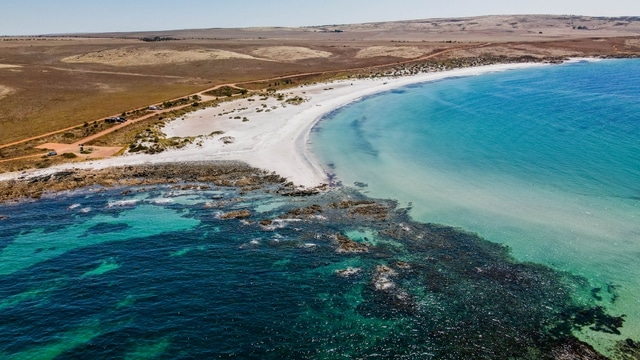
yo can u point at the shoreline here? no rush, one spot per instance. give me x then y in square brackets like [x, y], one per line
[274, 135]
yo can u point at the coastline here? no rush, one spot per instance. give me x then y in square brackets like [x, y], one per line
[274, 135]
[277, 141]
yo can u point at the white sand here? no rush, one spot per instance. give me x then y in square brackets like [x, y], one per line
[275, 140]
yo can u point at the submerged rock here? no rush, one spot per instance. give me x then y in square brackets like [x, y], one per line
[365, 208]
[573, 349]
[396, 295]
[304, 212]
[346, 245]
[348, 272]
[299, 192]
[628, 349]
[238, 214]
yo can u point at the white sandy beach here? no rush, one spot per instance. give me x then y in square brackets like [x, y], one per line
[274, 139]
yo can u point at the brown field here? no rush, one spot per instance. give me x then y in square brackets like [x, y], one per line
[53, 83]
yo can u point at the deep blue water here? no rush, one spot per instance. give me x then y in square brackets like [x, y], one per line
[545, 160]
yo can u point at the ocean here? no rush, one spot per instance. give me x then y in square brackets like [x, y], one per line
[545, 160]
[483, 248]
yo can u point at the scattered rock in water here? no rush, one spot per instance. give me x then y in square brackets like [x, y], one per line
[360, 184]
[382, 278]
[308, 246]
[346, 245]
[298, 192]
[628, 349]
[238, 214]
[346, 204]
[3, 217]
[187, 187]
[348, 272]
[366, 208]
[396, 295]
[572, 348]
[304, 212]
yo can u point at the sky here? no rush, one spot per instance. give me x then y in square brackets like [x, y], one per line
[39, 17]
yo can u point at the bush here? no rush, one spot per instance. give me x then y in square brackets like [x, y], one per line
[69, 155]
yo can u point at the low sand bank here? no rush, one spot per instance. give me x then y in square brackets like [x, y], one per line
[268, 133]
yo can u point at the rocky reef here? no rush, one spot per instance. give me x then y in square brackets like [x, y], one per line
[442, 291]
[220, 173]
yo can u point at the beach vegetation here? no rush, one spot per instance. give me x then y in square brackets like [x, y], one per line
[43, 164]
[296, 100]
[227, 91]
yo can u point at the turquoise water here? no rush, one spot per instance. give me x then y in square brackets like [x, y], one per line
[138, 273]
[545, 160]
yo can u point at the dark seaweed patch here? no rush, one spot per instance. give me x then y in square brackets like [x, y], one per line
[104, 228]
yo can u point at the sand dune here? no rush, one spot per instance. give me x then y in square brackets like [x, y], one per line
[5, 90]
[146, 56]
[288, 53]
[407, 52]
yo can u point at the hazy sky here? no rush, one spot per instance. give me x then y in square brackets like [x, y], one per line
[31, 17]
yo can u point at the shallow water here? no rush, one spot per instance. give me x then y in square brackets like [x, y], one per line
[545, 160]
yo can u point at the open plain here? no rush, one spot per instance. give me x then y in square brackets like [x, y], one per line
[59, 89]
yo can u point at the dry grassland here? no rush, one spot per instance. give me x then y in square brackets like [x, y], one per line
[52, 83]
[5, 90]
[140, 56]
[290, 53]
[406, 52]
